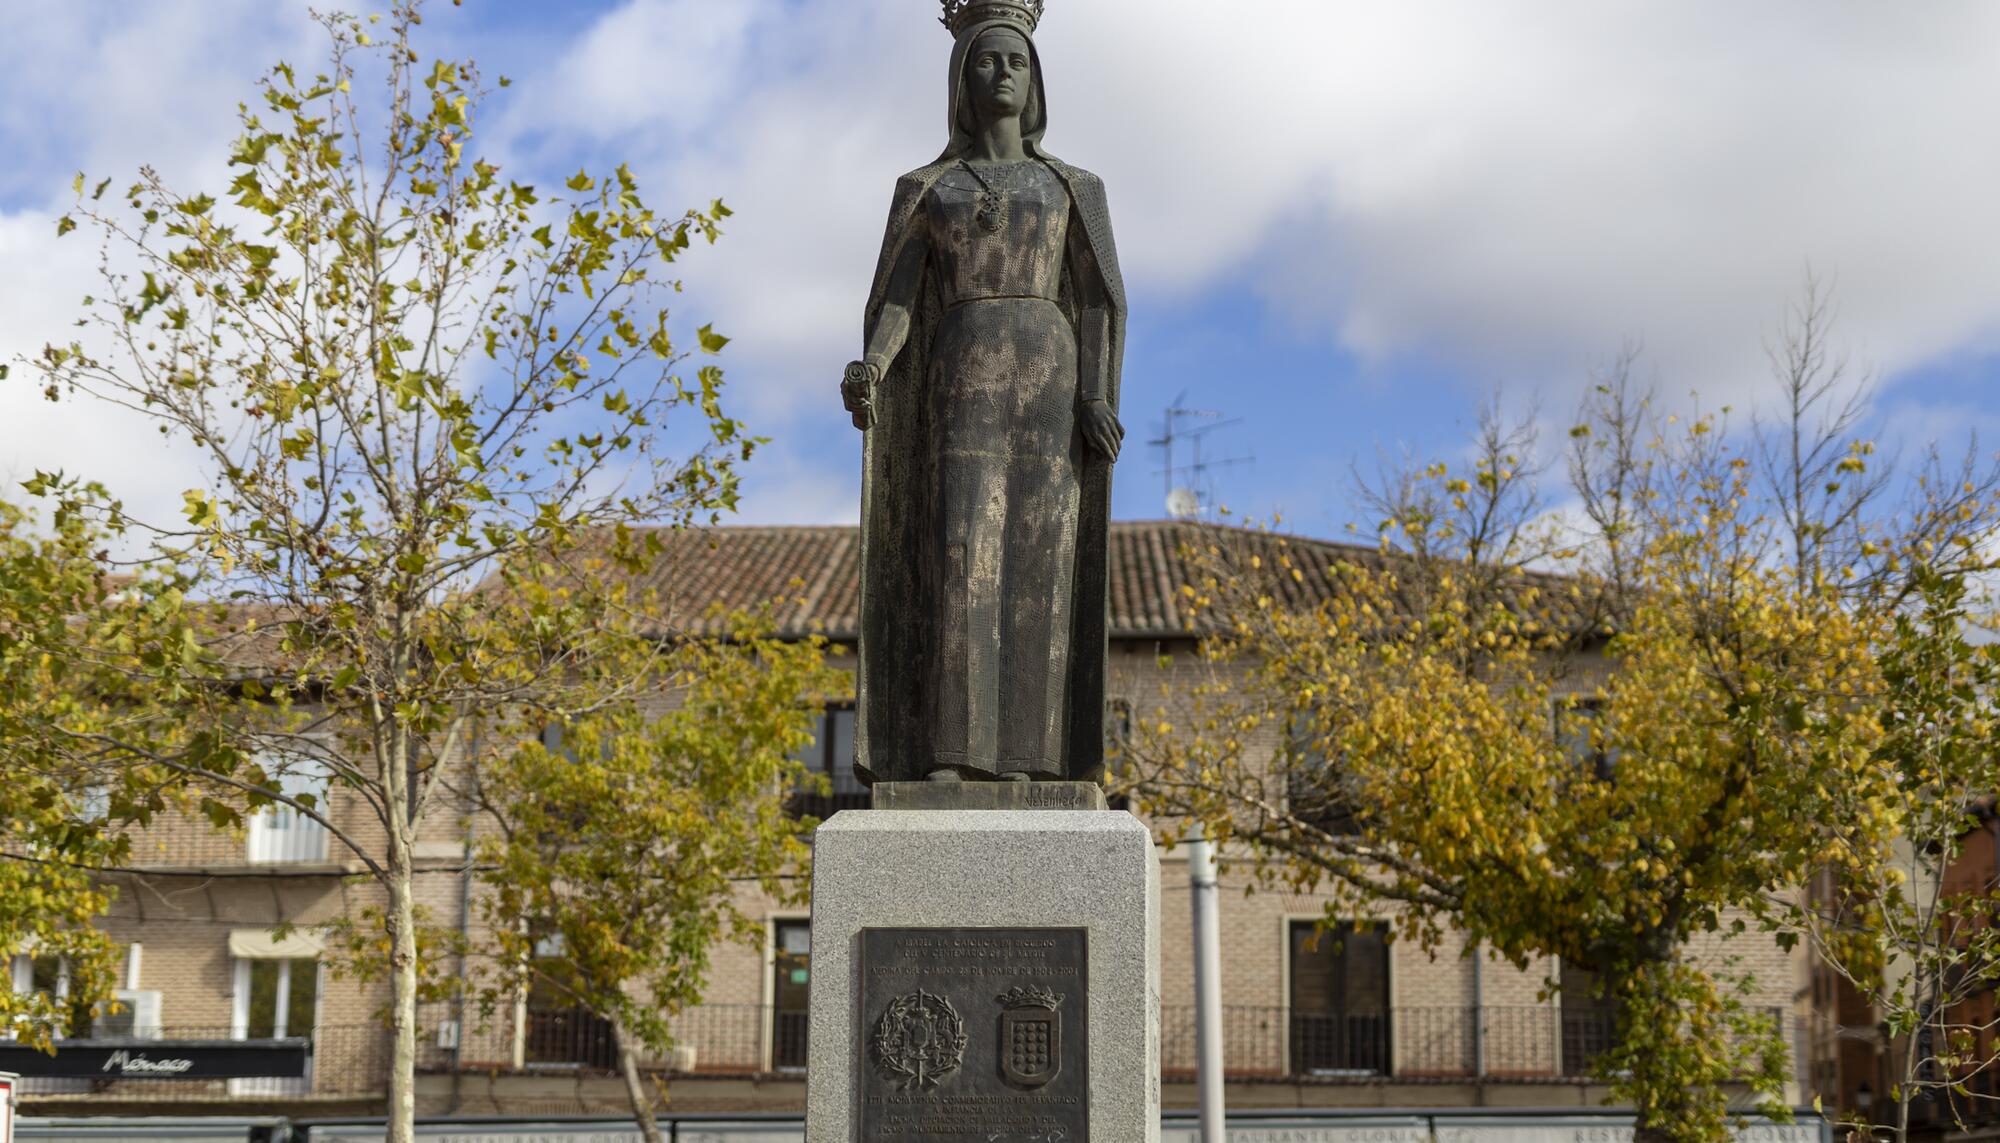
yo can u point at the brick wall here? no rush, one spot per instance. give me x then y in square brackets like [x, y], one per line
[184, 924]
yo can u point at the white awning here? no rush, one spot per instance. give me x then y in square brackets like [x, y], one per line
[258, 944]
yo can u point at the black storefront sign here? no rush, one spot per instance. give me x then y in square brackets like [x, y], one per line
[162, 1059]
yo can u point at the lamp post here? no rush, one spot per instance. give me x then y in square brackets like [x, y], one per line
[1207, 987]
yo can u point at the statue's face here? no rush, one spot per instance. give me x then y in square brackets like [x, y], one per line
[998, 74]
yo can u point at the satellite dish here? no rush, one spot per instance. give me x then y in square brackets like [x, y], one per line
[1183, 504]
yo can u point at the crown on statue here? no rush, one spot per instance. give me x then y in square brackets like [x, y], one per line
[962, 14]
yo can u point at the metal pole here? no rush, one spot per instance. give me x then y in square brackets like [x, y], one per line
[1479, 1022]
[1207, 987]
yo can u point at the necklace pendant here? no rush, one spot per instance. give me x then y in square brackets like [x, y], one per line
[991, 207]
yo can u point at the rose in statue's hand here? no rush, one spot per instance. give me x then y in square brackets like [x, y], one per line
[857, 392]
[1101, 428]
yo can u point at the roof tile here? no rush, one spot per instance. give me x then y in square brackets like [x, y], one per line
[816, 574]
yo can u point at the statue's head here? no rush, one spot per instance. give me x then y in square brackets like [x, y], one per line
[994, 69]
[999, 77]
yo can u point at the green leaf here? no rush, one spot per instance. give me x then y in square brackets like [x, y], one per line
[711, 341]
[64, 225]
[199, 509]
[581, 181]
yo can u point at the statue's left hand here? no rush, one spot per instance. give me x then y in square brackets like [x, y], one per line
[1101, 428]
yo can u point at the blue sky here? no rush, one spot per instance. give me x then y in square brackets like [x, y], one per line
[1344, 224]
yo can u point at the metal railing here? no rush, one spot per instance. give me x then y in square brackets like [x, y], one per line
[1525, 1043]
[1528, 1044]
[569, 1037]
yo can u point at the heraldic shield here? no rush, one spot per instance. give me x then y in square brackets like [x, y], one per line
[1030, 1036]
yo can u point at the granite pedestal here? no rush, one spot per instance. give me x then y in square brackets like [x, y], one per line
[988, 975]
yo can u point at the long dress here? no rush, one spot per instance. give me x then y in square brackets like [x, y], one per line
[970, 670]
[1002, 384]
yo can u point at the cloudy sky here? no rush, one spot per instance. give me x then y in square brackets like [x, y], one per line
[1343, 224]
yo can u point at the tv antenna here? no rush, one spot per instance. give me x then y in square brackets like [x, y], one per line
[1190, 486]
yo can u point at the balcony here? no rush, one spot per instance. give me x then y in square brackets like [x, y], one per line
[571, 1037]
[1530, 1044]
[1507, 1045]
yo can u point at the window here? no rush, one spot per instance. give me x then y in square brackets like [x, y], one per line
[556, 741]
[48, 976]
[791, 987]
[1316, 785]
[560, 1031]
[831, 753]
[1339, 993]
[93, 804]
[276, 998]
[1580, 733]
[280, 834]
[1587, 1019]
[280, 998]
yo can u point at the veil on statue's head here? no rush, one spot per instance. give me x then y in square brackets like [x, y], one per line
[1034, 117]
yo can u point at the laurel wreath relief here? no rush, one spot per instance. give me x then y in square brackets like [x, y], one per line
[918, 1041]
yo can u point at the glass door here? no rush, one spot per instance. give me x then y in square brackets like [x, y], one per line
[1339, 995]
[790, 987]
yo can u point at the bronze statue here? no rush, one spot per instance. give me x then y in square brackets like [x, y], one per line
[989, 391]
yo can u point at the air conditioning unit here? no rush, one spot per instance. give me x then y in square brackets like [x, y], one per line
[138, 1017]
[447, 1037]
[682, 1060]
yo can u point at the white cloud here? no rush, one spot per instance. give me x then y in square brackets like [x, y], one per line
[105, 88]
[800, 117]
[1511, 188]
[785, 489]
[80, 437]
[1514, 186]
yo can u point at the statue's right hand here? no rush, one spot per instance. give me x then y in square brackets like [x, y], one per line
[857, 392]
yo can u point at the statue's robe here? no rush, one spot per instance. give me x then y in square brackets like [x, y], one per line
[899, 638]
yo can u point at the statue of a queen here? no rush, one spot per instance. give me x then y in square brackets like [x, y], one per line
[988, 390]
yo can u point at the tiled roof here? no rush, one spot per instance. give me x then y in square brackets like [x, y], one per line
[812, 578]
[816, 572]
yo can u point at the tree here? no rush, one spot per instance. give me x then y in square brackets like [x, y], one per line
[621, 836]
[68, 632]
[401, 371]
[1915, 926]
[1429, 695]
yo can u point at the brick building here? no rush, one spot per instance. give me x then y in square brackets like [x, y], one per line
[1856, 1064]
[1358, 1021]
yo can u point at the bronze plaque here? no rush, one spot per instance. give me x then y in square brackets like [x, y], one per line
[974, 1035]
